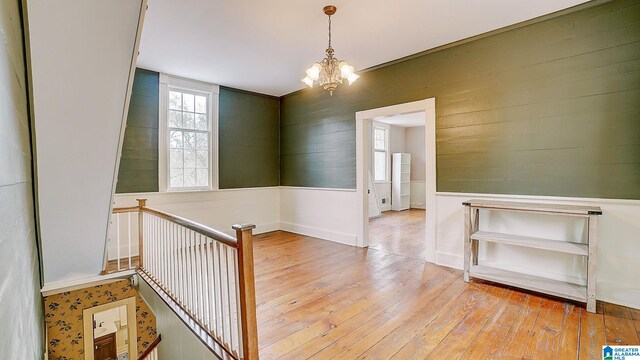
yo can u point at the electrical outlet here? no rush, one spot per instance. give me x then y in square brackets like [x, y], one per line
[384, 201]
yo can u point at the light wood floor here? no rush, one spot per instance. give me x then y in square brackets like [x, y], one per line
[399, 232]
[322, 300]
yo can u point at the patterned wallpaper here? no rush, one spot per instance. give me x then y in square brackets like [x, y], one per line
[63, 318]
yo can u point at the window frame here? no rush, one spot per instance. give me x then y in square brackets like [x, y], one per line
[386, 151]
[212, 92]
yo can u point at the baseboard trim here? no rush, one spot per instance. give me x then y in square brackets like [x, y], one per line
[75, 284]
[618, 294]
[265, 228]
[338, 237]
[449, 260]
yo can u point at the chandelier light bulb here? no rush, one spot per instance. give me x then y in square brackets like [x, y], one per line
[308, 81]
[346, 70]
[313, 72]
[352, 78]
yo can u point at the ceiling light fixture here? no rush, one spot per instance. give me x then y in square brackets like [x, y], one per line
[330, 72]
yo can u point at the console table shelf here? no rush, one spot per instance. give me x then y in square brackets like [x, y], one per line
[473, 236]
[532, 242]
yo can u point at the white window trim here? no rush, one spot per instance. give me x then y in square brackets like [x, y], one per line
[387, 127]
[174, 82]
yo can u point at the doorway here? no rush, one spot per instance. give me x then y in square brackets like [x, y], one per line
[397, 188]
[366, 121]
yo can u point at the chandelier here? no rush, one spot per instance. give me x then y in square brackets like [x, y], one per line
[330, 72]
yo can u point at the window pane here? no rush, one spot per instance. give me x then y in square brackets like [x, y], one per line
[175, 140]
[380, 139]
[201, 122]
[202, 177]
[175, 100]
[202, 141]
[201, 104]
[187, 102]
[190, 178]
[188, 121]
[189, 159]
[175, 118]
[176, 159]
[380, 166]
[176, 178]
[189, 140]
[202, 159]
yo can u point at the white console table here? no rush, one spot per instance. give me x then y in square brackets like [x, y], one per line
[473, 236]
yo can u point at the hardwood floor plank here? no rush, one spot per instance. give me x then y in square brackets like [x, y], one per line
[545, 338]
[491, 337]
[568, 345]
[619, 327]
[592, 335]
[522, 330]
[635, 315]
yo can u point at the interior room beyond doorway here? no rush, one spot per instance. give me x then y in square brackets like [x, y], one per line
[398, 184]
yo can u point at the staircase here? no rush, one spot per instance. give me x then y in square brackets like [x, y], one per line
[204, 276]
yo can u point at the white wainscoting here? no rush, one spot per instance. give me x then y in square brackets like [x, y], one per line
[618, 244]
[331, 214]
[328, 214]
[218, 209]
[418, 197]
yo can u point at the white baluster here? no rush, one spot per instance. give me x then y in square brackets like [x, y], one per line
[229, 294]
[238, 313]
[118, 240]
[220, 291]
[129, 232]
[203, 281]
[212, 294]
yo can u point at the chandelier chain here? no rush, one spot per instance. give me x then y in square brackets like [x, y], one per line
[329, 30]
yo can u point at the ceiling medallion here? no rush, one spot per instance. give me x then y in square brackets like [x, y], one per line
[330, 72]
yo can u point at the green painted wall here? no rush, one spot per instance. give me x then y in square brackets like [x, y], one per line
[552, 108]
[139, 162]
[249, 139]
[248, 133]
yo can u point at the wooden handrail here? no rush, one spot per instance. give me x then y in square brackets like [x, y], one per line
[125, 209]
[153, 345]
[192, 225]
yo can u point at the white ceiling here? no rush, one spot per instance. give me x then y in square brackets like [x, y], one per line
[265, 46]
[404, 120]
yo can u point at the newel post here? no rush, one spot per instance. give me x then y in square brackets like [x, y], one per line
[247, 290]
[141, 203]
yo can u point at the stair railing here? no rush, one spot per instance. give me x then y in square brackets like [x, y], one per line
[207, 273]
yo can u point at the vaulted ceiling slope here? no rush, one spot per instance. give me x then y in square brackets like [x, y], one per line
[81, 56]
[265, 46]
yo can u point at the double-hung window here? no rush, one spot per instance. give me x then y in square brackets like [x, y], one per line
[380, 153]
[188, 134]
